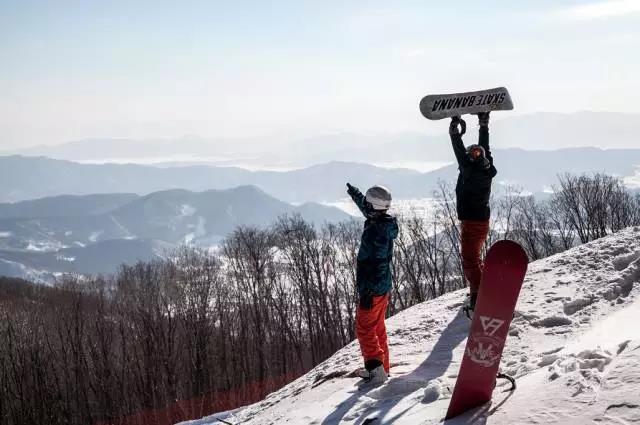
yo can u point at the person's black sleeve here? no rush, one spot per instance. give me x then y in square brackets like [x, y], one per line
[483, 140]
[458, 147]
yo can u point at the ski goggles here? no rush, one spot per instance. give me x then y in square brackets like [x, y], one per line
[476, 153]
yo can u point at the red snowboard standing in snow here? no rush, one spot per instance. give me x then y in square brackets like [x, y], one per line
[504, 269]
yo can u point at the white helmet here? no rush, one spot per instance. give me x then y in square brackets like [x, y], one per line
[379, 197]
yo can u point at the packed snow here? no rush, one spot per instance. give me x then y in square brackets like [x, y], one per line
[573, 346]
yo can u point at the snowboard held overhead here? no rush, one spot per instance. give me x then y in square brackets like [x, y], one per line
[439, 106]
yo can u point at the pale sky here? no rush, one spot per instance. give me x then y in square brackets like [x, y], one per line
[144, 69]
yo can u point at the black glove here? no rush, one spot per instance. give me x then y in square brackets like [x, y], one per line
[453, 126]
[366, 301]
[483, 119]
[351, 189]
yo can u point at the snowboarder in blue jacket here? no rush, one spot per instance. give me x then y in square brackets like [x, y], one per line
[373, 278]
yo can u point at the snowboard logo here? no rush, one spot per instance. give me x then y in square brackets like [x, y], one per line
[484, 348]
[490, 325]
[439, 106]
[490, 100]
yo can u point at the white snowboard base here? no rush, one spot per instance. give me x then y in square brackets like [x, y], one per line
[439, 106]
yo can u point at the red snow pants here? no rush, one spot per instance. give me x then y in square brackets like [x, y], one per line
[472, 236]
[372, 332]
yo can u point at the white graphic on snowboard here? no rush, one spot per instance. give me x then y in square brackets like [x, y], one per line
[483, 348]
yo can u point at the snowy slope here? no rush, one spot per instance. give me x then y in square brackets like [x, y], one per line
[574, 346]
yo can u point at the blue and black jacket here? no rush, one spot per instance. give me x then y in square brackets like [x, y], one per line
[376, 248]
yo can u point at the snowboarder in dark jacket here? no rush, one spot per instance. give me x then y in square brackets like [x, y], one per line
[373, 278]
[473, 192]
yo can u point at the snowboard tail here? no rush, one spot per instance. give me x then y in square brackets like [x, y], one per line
[504, 270]
[439, 106]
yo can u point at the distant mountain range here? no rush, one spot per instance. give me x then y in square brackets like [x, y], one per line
[59, 216]
[539, 131]
[97, 258]
[30, 178]
[96, 233]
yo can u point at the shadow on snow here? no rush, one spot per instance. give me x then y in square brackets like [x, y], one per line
[389, 395]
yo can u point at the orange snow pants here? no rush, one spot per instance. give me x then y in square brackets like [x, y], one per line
[372, 332]
[472, 236]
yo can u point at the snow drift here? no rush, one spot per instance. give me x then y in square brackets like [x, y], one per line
[574, 347]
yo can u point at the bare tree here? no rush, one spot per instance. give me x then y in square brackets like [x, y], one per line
[216, 329]
[595, 205]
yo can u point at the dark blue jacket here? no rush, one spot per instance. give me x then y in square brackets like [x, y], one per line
[376, 249]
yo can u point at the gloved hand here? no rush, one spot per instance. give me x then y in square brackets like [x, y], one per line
[483, 119]
[366, 301]
[351, 189]
[453, 126]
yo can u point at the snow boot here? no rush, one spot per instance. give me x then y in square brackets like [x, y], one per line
[472, 301]
[373, 373]
[470, 305]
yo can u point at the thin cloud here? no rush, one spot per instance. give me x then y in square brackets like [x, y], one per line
[603, 9]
